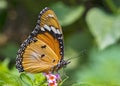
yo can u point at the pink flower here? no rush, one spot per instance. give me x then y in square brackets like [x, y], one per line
[52, 79]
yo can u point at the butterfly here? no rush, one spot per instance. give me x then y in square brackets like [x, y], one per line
[43, 50]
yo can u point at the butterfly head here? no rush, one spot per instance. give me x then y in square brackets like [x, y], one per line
[61, 64]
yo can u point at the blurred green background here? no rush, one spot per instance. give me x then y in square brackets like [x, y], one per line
[91, 33]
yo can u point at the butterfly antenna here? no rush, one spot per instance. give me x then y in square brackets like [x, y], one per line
[82, 53]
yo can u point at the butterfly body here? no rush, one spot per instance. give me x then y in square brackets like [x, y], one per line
[43, 50]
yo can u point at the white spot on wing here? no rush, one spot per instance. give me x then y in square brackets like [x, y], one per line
[61, 53]
[59, 38]
[42, 29]
[50, 15]
[53, 29]
[61, 47]
[60, 42]
[58, 31]
[47, 27]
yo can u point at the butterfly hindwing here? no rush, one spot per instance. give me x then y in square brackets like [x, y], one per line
[38, 59]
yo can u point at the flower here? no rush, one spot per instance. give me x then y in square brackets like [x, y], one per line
[52, 79]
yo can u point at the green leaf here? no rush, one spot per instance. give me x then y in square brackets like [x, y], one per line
[67, 15]
[3, 4]
[40, 80]
[8, 79]
[105, 28]
[4, 65]
[103, 69]
[26, 79]
[113, 5]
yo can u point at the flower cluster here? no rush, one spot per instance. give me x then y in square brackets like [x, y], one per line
[52, 79]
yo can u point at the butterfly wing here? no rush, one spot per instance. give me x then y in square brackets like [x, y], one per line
[43, 49]
[49, 22]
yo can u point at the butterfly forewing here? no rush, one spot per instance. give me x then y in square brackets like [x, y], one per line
[43, 49]
[49, 22]
[49, 18]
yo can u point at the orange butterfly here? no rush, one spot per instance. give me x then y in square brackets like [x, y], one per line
[43, 50]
